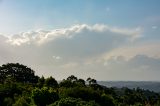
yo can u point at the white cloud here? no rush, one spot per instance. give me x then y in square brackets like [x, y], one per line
[83, 50]
[78, 41]
[42, 36]
[57, 57]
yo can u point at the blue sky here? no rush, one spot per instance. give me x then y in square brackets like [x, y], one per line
[120, 38]
[22, 15]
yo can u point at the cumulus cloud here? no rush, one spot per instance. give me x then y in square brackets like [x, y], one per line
[83, 50]
[41, 36]
[78, 41]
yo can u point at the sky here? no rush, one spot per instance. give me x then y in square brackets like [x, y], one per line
[116, 40]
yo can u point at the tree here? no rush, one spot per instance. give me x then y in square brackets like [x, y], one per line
[8, 101]
[44, 96]
[91, 81]
[19, 72]
[72, 78]
[107, 100]
[73, 102]
[84, 93]
[51, 82]
[41, 82]
[72, 81]
[22, 101]
[66, 83]
[81, 81]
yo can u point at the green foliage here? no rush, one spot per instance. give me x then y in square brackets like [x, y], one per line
[107, 100]
[44, 96]
[81, 92]
[87, 94]
[72, 81]
[20, 87]
[17, 71]
[51, 82]
[73, 102]
[8, 101]
[66, 83]
[81, 82]
[8, 90]
[41, 82]
[22, 101]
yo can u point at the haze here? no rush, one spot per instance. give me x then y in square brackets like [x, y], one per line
[102, 39]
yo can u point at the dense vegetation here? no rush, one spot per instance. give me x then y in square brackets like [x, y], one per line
[19, 86]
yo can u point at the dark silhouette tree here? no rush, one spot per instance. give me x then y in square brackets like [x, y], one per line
[66, 83]
[51, 82]
[19, 72]
[72, 78]
[81, 81]
[41, 82]
[72, 81]
[91, 81]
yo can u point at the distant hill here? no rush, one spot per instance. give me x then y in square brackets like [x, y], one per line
[150, 85]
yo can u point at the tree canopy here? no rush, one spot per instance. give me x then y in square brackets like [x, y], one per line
[19, 86]
[19, 72]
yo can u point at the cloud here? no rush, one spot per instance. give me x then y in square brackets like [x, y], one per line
[78, 41]
[98, 51]
[136, 63]
[148, 48]
[57, 57]
[139, 67]
[42, 36]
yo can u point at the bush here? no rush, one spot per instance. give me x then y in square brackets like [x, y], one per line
[8, 101]
[73, 102]
[107, 100]
[81, 92]
[22, 101]
[44, 96]
[51, 82]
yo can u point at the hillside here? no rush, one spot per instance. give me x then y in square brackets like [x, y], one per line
[147, 85]
[19, 86]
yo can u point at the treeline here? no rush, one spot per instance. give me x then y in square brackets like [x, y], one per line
[19, 86]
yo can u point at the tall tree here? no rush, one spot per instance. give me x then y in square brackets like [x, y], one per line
[72, 78]
[51, 82]
[19, 72]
